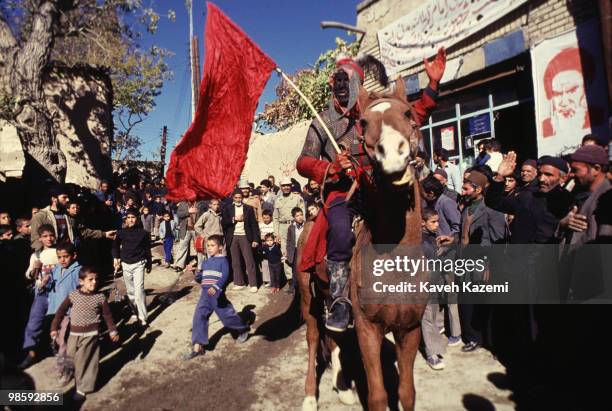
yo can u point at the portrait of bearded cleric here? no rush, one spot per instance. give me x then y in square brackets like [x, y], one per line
[565, 80]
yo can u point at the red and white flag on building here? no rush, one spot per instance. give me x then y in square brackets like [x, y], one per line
[208, 160]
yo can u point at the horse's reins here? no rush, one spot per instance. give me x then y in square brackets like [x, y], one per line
[361, 136]
[415, 130]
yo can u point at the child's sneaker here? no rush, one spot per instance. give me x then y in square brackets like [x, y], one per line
[243, 337]
[191, 355]
[454, 341]
[79, 397]
[238, 287]
[253, 290]
[28, 361]
[435, 363]
[266, 284]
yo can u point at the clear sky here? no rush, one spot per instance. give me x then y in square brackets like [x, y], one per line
[288, 31]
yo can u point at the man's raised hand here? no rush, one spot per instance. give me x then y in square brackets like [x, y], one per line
[435, 69]
[507, 166]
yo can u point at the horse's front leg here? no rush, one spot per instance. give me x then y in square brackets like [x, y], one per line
[407, 345]
[312, 338]
[370, 338]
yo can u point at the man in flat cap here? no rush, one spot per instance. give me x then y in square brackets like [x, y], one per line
[589, 165]
[537, 212]
[481, 226]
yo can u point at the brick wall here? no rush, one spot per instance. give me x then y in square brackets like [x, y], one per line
[538, 20]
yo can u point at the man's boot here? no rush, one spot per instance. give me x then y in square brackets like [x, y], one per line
[339, 316]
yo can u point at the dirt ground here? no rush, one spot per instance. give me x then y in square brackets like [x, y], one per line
[144, 371]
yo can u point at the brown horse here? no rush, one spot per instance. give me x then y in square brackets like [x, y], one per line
[392, 215]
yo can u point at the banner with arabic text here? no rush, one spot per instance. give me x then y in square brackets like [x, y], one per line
[436, 23]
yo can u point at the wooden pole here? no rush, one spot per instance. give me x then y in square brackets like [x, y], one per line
[311, 107]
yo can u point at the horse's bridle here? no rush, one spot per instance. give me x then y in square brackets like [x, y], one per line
[415, 130]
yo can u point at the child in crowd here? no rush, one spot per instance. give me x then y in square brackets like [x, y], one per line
[271, 253]
[86, 307]
[5, 218]
[157, 209]
[39, 272]
[147, 219]
[312, 211]
[132, 252]
[209, 224]
[22, 226]
[130, 205]
[167, 232]
[73, 211]
[213, 277]
[64, 279]
[293, 234]
[6, 232]
[434, 341]
[266, 226]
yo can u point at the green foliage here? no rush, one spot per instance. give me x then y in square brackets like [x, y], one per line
[289, 109]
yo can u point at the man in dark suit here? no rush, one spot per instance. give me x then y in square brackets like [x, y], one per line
[483, 226]
[293, 234]
[242, 236]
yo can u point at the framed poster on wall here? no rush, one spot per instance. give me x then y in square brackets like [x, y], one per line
[447, 137]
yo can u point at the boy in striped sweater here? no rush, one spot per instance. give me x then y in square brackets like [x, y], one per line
[87, 307]
[213, 277]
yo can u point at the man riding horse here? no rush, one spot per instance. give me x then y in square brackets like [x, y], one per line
[319, 161]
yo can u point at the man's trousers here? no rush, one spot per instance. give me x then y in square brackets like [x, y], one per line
[133, 276]
[242, 247]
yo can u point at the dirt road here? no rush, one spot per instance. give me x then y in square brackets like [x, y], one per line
[144, 372]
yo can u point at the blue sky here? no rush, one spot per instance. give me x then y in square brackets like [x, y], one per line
[288, 31]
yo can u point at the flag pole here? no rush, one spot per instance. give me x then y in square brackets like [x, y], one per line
[314, 111]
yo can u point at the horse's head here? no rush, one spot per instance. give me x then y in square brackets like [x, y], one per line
[391, 135]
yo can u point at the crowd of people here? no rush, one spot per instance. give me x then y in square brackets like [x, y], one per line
[51, 254]
[564, 200]
[251, 237]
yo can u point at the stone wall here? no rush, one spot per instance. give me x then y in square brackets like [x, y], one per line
[275, 154]
[537, 18]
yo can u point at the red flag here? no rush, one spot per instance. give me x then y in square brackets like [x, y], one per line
[209, 158]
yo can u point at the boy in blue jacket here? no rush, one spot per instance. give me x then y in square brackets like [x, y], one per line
[64, 280]
[213, 277]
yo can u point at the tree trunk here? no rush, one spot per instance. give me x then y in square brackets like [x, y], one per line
[27, 66]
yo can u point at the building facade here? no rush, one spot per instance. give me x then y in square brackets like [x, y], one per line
[530, 74]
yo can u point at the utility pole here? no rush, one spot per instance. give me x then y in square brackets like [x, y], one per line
[195, 72]
[162, 150]
[194, 61]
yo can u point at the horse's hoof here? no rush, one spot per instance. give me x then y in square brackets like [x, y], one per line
[309, 403]
[347, 397]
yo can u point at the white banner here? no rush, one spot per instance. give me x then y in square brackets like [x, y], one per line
[437, 23]
[570, 91]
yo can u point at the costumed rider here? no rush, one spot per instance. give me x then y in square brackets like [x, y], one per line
[333, 227]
